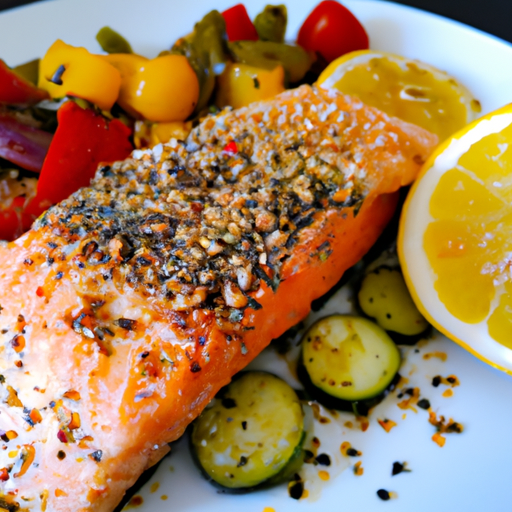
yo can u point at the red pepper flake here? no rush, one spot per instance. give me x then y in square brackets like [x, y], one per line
[63, 438]
[40, 291]
[4, 475]
[231, 148]
[386, 424]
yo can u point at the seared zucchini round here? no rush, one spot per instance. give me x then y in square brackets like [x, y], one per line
[384, 296]
[349, 358]
[251, 433]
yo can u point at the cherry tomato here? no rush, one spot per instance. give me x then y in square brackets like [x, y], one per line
[239, 26]
[332, 30]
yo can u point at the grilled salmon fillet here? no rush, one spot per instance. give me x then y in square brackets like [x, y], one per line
[130, 304]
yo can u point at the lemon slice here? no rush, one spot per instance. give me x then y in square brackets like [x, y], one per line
[455, 238]
[408, 89]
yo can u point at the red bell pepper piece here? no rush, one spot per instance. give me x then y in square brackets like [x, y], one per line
[239, 26]
[10, 219]
[23, 145]
[16, 90]
[83, 140]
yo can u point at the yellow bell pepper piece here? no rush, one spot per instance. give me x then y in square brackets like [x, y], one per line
[82, 74]
[147, 134]
[163, 89]
[241, 84]
[128, 64]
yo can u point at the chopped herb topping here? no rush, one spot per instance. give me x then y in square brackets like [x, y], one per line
[207, 238]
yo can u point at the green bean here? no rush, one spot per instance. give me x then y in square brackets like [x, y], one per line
[206, 50]
[266, 54]
[112, 42]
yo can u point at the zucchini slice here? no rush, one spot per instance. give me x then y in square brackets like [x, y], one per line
[349, 358]
[384, 297]
[251, 434]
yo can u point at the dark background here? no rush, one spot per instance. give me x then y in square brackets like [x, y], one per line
[492, 16]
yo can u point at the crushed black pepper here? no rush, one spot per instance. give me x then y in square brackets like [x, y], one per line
[383, 494]
[96, 455]
[424, 404]
[229, 403]
[399, 467]
[296, 487]
[323, 459]
[126, 323]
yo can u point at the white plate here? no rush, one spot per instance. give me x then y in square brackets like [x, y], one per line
[471, 472]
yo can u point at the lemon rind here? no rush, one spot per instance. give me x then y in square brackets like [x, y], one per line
[497, 355]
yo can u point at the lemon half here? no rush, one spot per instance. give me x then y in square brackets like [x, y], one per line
[409, 89]
[455, 238]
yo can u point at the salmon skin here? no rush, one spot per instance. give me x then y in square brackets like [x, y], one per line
[130, 304]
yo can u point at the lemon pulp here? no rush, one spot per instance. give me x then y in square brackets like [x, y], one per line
[411, 90]
[469, 242]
